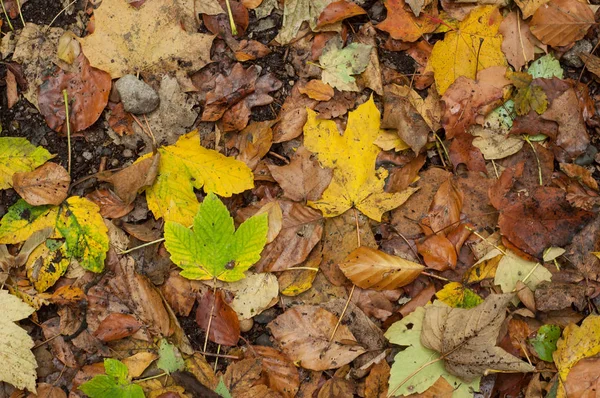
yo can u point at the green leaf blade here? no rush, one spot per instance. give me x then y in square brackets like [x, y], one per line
[169, 358]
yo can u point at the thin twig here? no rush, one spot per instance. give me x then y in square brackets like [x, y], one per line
[20, 13]
[537, 159]
[141, 246]
[66, 99]
[6, 15]
[484, 239]
[61, 11]
[435, 276]
[208, 354]
[212, 309]
[301, 268]
[231, 21]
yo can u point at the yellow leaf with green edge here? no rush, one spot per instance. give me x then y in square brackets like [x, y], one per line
[22, 220]
[356, 182]
[18, 155]
[86, 237]
[456, 295]
[474, 46]
[46, 264]
[187, 165]
[78, 220]
[577, 342]
[214, 249]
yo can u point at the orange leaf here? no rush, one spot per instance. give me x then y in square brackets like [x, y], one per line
[338, 11]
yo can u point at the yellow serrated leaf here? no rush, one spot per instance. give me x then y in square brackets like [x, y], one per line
[577, 342]
[187, 165]
[457, 295]
[45, 266]
[352, 157]
[474, 46]
[19, 155]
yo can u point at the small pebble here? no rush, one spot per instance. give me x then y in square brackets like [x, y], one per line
[127, 153]
[264, 340]
[87, 155]
[266, 316]
[114, 162]
[246, 325]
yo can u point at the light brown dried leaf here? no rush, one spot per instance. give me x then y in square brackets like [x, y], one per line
[562, 22]
[281, 373]
[46, 185]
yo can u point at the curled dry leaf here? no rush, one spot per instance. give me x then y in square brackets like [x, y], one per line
[250, 50]
[119, 120]
[46, 185]
[467, 338]
[562, 22]
[87, 88]
[117, 326]
[438, 252]
[317, 90]
[111, 206]
[373, 269]
[338, 11]
[253, 142]
[224, 327]
[281, 373]
[303, 332]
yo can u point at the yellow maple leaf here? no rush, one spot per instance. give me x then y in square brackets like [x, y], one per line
[474, 46]
[352, 157]
[577, 342]
[187, 165]
[148, 39]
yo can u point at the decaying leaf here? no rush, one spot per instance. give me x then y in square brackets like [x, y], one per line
[374, 269]
[352, 156]
[17, 155]
[47, 185]
[254, 294]
[224, 326]
[134, 178]
[339, 64]
[518, 44]
[295, 13]
[467, 338]
[303, 333]
[282, 374]
[456, 295]
[148, 39]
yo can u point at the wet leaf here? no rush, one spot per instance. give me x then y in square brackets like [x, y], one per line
[117, 326]
[46, 185]
[352, 156]
[17, 155]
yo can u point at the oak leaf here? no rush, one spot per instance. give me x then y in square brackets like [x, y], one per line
[185, 166]
[474, 46]
[149, 39]
[17, 155]
[352, 156]
[467, 338]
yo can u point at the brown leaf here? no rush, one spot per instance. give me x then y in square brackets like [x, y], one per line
[438, 252]
[400, 114]
[376, 384]
[402, 24]
[224, 327]
[47, 391]
[12, 95]
[420, 52]
[338, 11]
[579, 173]
[301, 230]
[281, 373]
[303, 333]
[467, 338]
[253, 142]
[373, 269]
[526, 219]
[242, 375]
[146, 232]
[60, 348]
[462, 151]
[119, 120]
[468, 101]
[518, 44]
[317, 90]
[444, 211]
[561, 22]
[583, 380]
[304, 178]
[87, 88]
[111, 206]
[592, 63]
[557, 296]
[476, 205]
[219, 24]
[134, 178]
[572, 133]
[250, 50]
[579, 251]
[401, 178]
[337, 387]
[292, 116]
[46, 185]
[12, 7]
[117, 326]
[180, 292]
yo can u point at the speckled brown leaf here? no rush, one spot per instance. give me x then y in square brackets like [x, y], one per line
[46, 185]
[111, 206]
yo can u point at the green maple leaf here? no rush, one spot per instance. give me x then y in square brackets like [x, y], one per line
[114, 384]
[214, 249]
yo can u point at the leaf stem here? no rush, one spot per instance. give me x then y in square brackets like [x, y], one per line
[6, 15]
[67, 121]
[301, 268]
[212, 309]
[151, 377]
[20, 13]
[141, 246]
[537, 159]
[231, 21]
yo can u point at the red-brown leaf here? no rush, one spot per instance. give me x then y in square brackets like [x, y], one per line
[224, 327]
[117, 326]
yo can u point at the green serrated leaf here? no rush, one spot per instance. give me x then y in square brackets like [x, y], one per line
[339, 64]
[546, 67]
[18, 155]
[222, 389]
[170, 359]
[117, 369]
[214, 249]
[408, 375]
[86, 236]
[544, 343]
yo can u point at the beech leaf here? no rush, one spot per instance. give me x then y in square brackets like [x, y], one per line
[18, 155]
[46, 185]
[562, 22]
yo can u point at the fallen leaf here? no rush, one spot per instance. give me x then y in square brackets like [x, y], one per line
[527, 97]
[376, 383]
[47, 263]
[138, 363]
[87, 90]
[561, 22]
[149, 39]
[17, 155]
[12, 95]
[474, 46]
[557, 296]
[303, 179]
[512, 268]
[68, 48]
[224, 326]
[250, 50]
[495, 144]
[529, 7]
[438, 252]
[111, 206]
[185, 166]
[46, 185]
[253, 294]
[444, 211]
[120, 121]
[374, 269]
[241, 376]
[402, 24]
[576, 343]
[339, 64]
[519, 43]
[19, 363]
[128, 181]
[456, 295]
[275, 217]
[467, 338]
[293, 114]
[544, 342]
[116, 327]
[253, 142]
[337, 387]
[116, 382]
[281, 373]
[579, 173]
[464, 151]
[214, 249]
[583, 380]
[170, 359]
[317, 90]
[295, 13]
[338, 11]
[409, 374]
[303, 333]
[354, 184]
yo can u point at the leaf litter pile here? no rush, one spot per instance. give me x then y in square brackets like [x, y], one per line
[299, 198]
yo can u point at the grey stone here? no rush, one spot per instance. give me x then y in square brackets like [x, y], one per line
[87, 155]
[571, 57]
[137, 96]
[127, 153]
